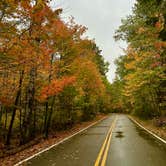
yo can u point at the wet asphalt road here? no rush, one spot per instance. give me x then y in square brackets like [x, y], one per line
[129, 146]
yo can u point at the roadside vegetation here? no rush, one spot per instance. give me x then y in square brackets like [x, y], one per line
[141, 72]
[50, 76]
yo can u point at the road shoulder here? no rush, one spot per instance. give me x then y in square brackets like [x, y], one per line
[149, 125]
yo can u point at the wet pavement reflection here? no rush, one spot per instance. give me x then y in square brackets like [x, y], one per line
[133, 146]
[130, 146]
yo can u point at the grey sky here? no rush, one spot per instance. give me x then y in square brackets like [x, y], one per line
[102, 18]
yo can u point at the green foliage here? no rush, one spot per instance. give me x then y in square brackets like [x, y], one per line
[141, 72]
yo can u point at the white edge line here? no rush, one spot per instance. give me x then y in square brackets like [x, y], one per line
[48, 148]
[162, 140]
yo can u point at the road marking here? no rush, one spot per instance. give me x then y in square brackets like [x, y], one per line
[162, 140]
[105, 145]
[108, 145]
[46, 149]
[101, 151]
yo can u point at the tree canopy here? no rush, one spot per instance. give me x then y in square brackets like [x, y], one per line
[141, 70]
[50, 75]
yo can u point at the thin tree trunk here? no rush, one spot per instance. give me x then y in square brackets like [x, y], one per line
[49, 118]
[6, 119]
[45, 117]
[14, 109]
[29, 124]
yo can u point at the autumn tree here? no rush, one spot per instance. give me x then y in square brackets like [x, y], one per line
[46, 71]
[144, 65]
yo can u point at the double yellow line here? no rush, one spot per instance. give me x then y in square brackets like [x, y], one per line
[102, 157]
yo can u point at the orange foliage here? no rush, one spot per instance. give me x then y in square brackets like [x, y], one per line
[56, 86]
[158, 25]
[160, 44]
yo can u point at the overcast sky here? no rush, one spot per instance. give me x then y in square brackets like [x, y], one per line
[102, 18]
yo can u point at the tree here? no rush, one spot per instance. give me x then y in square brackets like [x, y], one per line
[143, 68]
[46, 71]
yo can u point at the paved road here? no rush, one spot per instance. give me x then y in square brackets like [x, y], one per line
[115, 141]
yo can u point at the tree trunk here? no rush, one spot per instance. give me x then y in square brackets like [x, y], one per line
[29, 124]
[14, 109]
[49, 118]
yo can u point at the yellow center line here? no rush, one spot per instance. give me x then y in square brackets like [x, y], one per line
[101, 151]
[108, 145]
[104, 145]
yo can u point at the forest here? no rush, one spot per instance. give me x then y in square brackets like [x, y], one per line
[52, 76]
[141, 71]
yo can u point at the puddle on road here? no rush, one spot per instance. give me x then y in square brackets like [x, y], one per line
[119, 134]
[100, 126]
[92, 134]
[119, 126]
